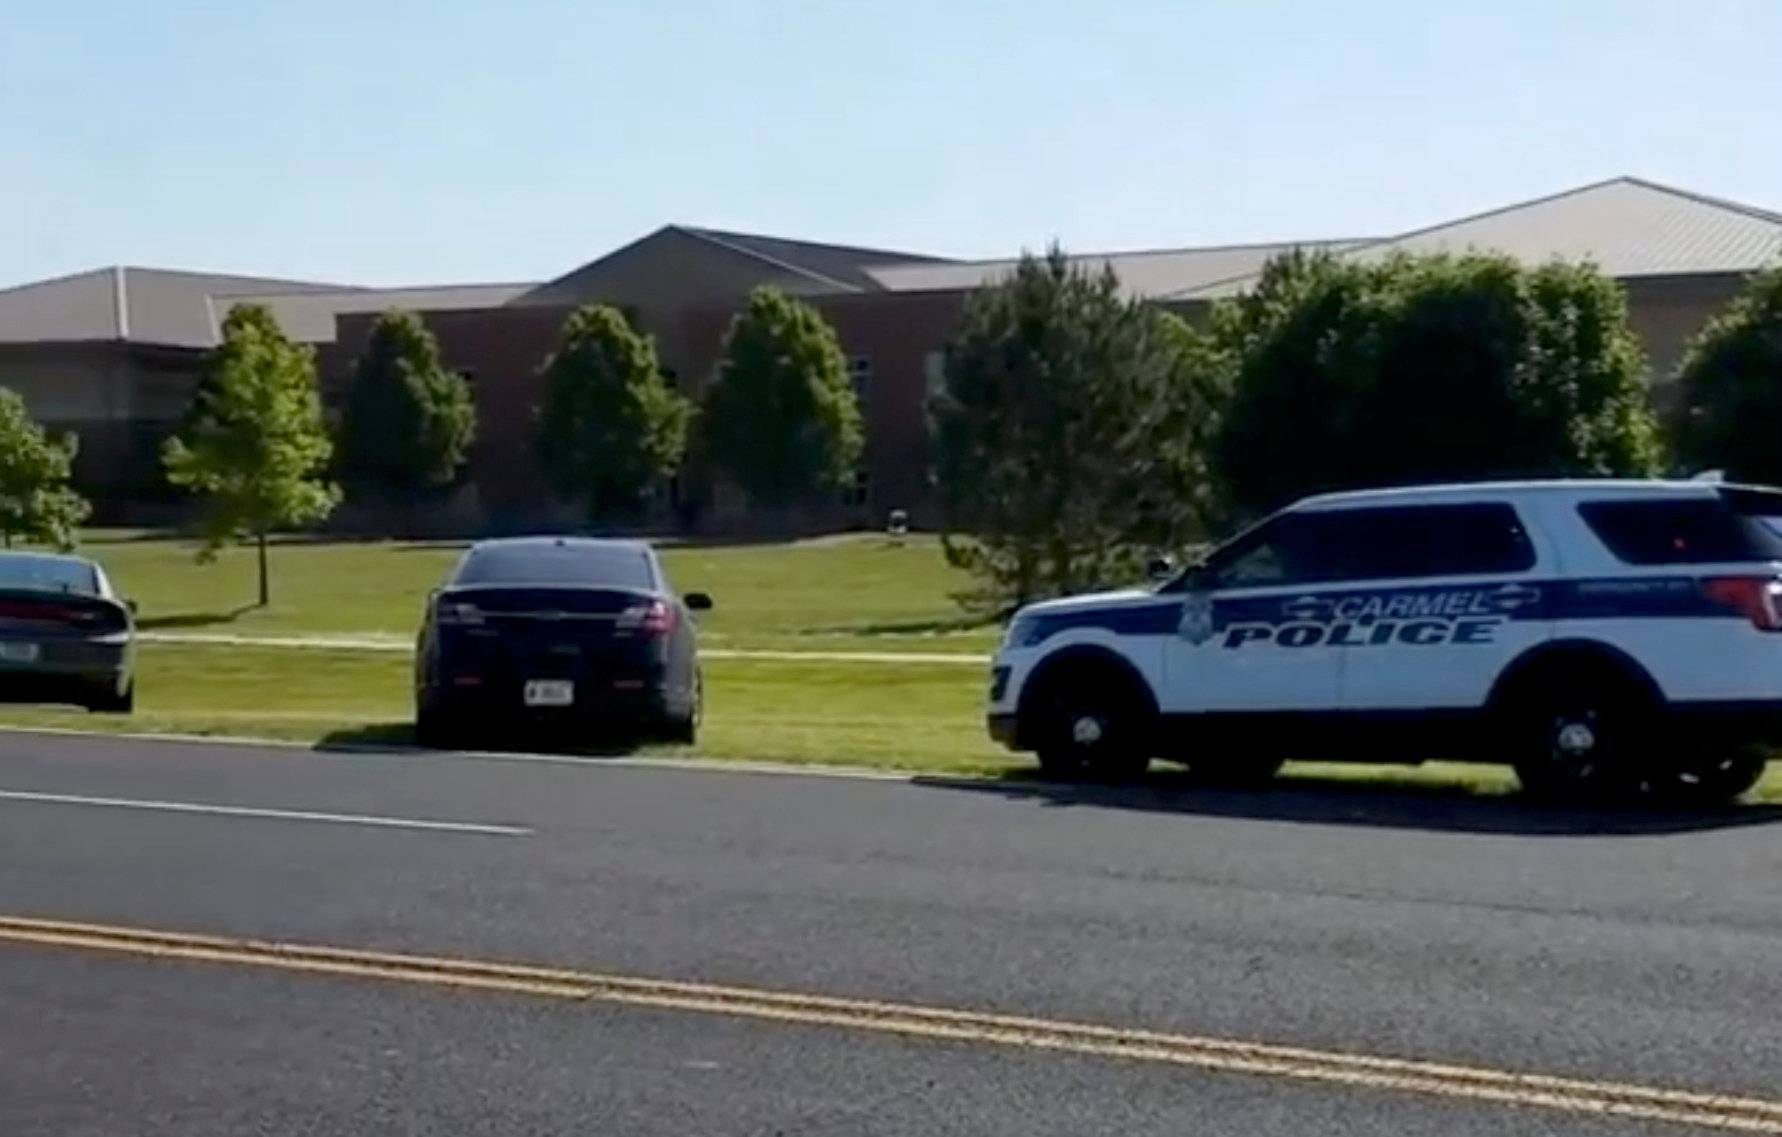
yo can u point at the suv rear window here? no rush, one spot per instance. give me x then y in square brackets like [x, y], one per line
[1732, 526]
[565, 565]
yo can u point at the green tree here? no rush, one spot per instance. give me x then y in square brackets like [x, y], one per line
[35, 500]
[612, 426]
[1732, 387]
[781, 417]
[1346, 374]
[253, 443]
[1068, 439]
[409, 422]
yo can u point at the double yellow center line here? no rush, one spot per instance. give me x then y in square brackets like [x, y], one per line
[1475, 1083]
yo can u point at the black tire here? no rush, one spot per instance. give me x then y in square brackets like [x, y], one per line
[1695, 776]
[112, 702]
[685, 731]
[1093, 724]
[1579, 733]
[434, 730]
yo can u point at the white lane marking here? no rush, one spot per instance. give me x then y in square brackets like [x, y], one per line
[371, 643]
[276, 814]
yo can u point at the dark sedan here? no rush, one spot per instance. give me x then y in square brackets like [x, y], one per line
[581, 635]
[65, 636]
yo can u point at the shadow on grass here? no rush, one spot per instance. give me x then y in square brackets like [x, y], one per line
[385, 735]
[193, 619]
[1311, 799]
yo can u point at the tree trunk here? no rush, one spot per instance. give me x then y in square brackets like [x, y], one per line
[265, 591]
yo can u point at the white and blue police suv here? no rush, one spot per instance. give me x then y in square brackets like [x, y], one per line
[1591, 633]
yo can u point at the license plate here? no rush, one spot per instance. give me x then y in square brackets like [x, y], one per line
[549, 693]
[18, 652]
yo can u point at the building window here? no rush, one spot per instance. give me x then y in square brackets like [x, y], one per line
[934, 373]
[858, 495]
[860, 375]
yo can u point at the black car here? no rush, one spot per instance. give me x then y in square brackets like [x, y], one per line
[65, 636]
[572, 633]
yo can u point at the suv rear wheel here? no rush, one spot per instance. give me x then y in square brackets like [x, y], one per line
[1092, 724]
[1578, 732]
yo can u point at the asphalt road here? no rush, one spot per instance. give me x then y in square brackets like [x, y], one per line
[1635, 948]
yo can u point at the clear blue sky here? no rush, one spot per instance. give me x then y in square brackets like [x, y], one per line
[386, 143]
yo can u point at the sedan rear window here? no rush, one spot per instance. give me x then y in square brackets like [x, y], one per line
[1732, 526]
[589, 566]
[48, 574]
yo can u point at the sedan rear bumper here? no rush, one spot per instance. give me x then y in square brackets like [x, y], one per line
[66, 670]
[618, 705]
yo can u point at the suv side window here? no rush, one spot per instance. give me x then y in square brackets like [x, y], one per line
[1470, 539]
[1680, 531]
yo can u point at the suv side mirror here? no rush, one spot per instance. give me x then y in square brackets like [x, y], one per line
[698, 601]
[1160, 568]
[132, 606]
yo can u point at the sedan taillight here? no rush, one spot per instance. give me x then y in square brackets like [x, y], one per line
[653, 619]
[459, 612]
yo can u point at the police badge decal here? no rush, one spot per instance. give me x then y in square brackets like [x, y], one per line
[1197, 618]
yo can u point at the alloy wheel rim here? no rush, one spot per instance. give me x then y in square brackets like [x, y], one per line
[1087, 730]
[1575, 743]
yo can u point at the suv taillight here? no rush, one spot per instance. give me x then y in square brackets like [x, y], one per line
[653, 619]
[1758, 598]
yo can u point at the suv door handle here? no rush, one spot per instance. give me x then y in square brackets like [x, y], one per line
[1514, 597]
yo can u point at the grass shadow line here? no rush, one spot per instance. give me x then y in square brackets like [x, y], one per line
[930, 627]
[193, 619]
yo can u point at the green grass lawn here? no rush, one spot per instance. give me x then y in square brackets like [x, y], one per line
[865, 592]
[845, 593]
[903, 716]
[916, 717]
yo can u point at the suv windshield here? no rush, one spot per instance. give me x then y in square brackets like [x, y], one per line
[588, 565]
[48, 574]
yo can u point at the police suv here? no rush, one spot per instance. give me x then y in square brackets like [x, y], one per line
[1592, 633]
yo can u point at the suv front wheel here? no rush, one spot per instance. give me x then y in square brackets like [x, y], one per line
[1093, 726]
